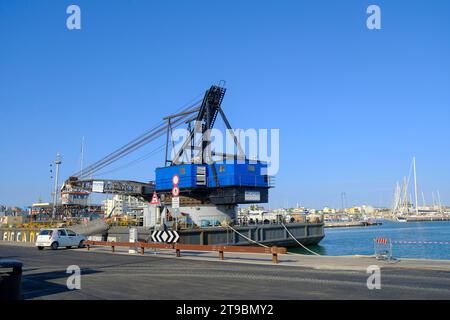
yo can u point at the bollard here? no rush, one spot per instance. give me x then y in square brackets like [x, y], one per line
[274, 258]
[142, 250]
[221, 255]
[178, 252]
[11, 282]
[88, 247]
[113, 248]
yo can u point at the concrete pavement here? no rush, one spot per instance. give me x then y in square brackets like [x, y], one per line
[122, 276]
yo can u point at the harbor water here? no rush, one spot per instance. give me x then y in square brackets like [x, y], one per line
[359, 240]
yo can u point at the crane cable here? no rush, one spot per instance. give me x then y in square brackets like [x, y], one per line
[118, 154]
[131, 163]
[128, 148]
[132, 144]
[135, 144]
[142, 136]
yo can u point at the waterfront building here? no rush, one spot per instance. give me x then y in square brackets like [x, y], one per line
[327, 210]
[367, 209]
[353, 210]
[298, 210]
[122, 204]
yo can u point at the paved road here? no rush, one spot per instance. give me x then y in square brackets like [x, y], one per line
[115, 276]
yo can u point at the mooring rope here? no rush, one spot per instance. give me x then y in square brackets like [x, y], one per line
[262, 245]
[303, 246]
[251, 240]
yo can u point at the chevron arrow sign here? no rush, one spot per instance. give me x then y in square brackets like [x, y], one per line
[169, 236]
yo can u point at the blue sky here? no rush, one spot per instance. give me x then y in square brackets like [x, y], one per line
[352, 105]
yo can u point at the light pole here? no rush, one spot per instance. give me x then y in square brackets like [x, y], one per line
[55, 198]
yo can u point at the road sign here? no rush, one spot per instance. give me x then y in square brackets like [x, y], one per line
[168, 236]
[155, 199]
[175, 191]
[175, 179]
[175, 202]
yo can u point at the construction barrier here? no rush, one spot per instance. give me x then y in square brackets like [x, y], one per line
[382, 248]
[274, 251]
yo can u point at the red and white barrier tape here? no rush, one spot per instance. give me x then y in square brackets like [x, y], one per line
[421, 242]
[385, 241]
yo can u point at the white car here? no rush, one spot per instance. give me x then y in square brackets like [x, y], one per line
[59, 237]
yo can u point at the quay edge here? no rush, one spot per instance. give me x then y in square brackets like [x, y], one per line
[267, 234]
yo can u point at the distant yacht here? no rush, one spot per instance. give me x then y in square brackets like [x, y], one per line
[402, 203]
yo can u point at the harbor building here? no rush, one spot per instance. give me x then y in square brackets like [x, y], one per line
[327, 210]
[122, 204]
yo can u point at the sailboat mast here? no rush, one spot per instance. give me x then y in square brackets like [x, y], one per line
[396, 204]
[415, 185]
[404, 204]
[434, 199]
[439, 201]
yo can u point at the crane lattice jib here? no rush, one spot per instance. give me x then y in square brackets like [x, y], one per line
[206, 117]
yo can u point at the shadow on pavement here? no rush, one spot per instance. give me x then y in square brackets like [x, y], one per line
[40, 284]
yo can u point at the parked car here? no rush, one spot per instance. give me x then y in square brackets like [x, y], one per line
[59, 237]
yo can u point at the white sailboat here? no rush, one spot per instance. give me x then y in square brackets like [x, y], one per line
[402, 205]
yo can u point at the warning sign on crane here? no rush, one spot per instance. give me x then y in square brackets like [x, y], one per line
[175, 202]
[155, 199]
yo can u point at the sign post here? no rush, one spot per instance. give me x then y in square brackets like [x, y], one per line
[133, 238]
[175, 202]
[175, 197]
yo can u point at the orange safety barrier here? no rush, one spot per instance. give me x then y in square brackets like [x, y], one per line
[381, 240]
[194, 247]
